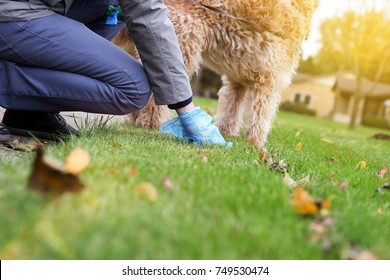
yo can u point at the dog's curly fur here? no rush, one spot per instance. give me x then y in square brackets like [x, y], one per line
[255, 65]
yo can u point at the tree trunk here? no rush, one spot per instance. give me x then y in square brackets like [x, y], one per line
[359, 95]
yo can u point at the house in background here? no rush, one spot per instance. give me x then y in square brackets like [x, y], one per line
[375, 103]
[315, 92]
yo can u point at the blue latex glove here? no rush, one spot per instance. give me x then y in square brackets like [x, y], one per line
[195, 126]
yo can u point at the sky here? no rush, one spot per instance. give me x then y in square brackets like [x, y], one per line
[330, 8]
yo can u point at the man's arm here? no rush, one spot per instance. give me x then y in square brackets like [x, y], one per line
[156, 41]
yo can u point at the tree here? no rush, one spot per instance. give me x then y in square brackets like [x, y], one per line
[358, 42]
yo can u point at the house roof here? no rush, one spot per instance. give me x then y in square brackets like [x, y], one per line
[347, 84]
[326, 80]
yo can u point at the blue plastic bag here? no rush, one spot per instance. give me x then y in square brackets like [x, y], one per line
[195, 126]
[112, 18]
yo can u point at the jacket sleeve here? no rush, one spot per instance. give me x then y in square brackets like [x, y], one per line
[156, 41]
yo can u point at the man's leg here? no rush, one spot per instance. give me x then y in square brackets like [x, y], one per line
[58, 59]
[55, 64]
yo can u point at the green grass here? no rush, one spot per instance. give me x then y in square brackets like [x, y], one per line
[226, 208]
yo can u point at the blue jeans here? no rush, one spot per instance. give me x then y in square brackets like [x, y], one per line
[60, 63]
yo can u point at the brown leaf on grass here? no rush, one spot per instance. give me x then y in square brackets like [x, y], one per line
[277, 165]
[116, 145]
[361, 164]
[331, 178]
[298, 147]
[305, 204]
[131, 171]
[288, 180]
[299, 131]
[380, 211]
[292, 183]
[353, 252]
[201, 151]
[383, 187]
[203, 159]
[366, 255]
[168, 185]
[147, 191]
[327, 141]
[280, 165]
[332, 159]
[321, 225]
[77, 161]
[320, 231]
[111, 171]
[262, 154]
[50, 177]
[19, 146]
[342, 184]
[382, 172]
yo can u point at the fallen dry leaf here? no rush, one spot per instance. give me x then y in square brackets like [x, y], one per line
[288, 180]
[167, 183]
[304, 181]
[48, 176]
[383, 187]
[305, 204]
[262, 154]
[111, 171]
[321, 225]
[292, 183]
[277, 165]
[19, 146]
[380, 211]
[331, 178]
[327, 141]
[77, 161]
[117, 145]
[342, 184]
[147, 191]
[366, 255]
[299, 131]
[203, 159]
[382, 172]
[332, 159]
[280, 165]
[131, 171]
[298, 147]
[353, 252]
[361, 164]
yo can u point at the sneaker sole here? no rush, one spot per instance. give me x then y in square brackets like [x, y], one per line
[5, 137]
[37, 134]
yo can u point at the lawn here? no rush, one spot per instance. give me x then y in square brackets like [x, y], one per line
[224, 203]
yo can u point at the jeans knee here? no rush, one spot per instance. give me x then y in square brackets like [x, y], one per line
[142, 99]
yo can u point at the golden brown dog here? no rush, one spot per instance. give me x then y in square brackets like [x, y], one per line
[253, 44]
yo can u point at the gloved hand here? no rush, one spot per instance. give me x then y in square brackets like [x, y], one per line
[195, 126]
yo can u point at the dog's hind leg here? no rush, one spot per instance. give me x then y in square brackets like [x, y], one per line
[261, 106]
[229, 114]
[151, 116]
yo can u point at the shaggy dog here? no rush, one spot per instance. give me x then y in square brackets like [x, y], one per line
[253, 44]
